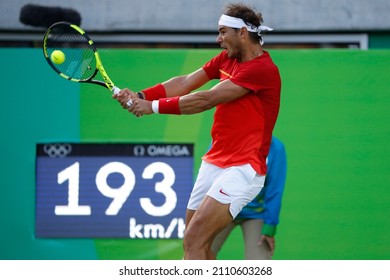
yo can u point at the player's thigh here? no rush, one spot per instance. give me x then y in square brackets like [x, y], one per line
[236, 186]
[208, 220]
[206, 176]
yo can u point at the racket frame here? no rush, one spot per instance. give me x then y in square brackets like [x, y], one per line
[107, 83]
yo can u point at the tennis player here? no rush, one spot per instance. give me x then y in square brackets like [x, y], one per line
[260, 217]
[247, 100]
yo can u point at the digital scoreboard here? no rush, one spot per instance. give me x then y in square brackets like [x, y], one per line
[112, 190]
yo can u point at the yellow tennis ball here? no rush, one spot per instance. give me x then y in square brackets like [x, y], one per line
[57, 56]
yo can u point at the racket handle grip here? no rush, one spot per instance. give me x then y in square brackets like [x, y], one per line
[116, 90]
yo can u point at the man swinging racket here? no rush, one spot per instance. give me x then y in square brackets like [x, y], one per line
[247, 100]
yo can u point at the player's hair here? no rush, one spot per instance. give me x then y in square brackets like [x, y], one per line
[247, 13]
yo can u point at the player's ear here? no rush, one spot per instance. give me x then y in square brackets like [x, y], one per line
[243, 31]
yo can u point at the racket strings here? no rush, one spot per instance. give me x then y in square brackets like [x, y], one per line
[80, 61]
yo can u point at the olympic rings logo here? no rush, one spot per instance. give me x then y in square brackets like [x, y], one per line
[57, 150]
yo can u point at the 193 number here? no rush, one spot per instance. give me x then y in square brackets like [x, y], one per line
[119, 194]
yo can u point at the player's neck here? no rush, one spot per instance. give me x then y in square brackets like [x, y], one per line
[252, 52]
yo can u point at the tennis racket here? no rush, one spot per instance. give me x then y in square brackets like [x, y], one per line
[80, 61]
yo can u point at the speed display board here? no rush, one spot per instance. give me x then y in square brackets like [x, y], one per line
[112, 190]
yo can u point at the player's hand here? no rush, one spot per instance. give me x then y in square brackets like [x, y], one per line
[141, 107]
[124, 96]
[269, 241]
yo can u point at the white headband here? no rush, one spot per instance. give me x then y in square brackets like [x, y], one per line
[238, 23]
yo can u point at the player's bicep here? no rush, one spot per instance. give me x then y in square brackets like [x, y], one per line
[200, 101]
[227, 91]
[196, 80]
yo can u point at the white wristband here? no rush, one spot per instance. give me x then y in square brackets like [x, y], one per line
[155, 106]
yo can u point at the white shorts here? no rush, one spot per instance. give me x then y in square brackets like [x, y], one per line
[236, 185]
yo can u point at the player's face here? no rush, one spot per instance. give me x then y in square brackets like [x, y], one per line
[228, 38]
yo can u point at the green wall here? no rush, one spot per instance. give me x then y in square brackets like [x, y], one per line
[333, 120]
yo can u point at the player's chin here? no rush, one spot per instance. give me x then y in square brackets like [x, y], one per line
[227, 51]
[230, 53]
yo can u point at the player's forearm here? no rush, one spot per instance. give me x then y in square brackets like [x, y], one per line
[183, 85]
[176, 86]
[195, 103]
[189, 104]
[171, 88]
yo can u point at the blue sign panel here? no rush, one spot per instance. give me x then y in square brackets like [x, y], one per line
[112, 190]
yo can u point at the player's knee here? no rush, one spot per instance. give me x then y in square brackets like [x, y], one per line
[190, 241]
